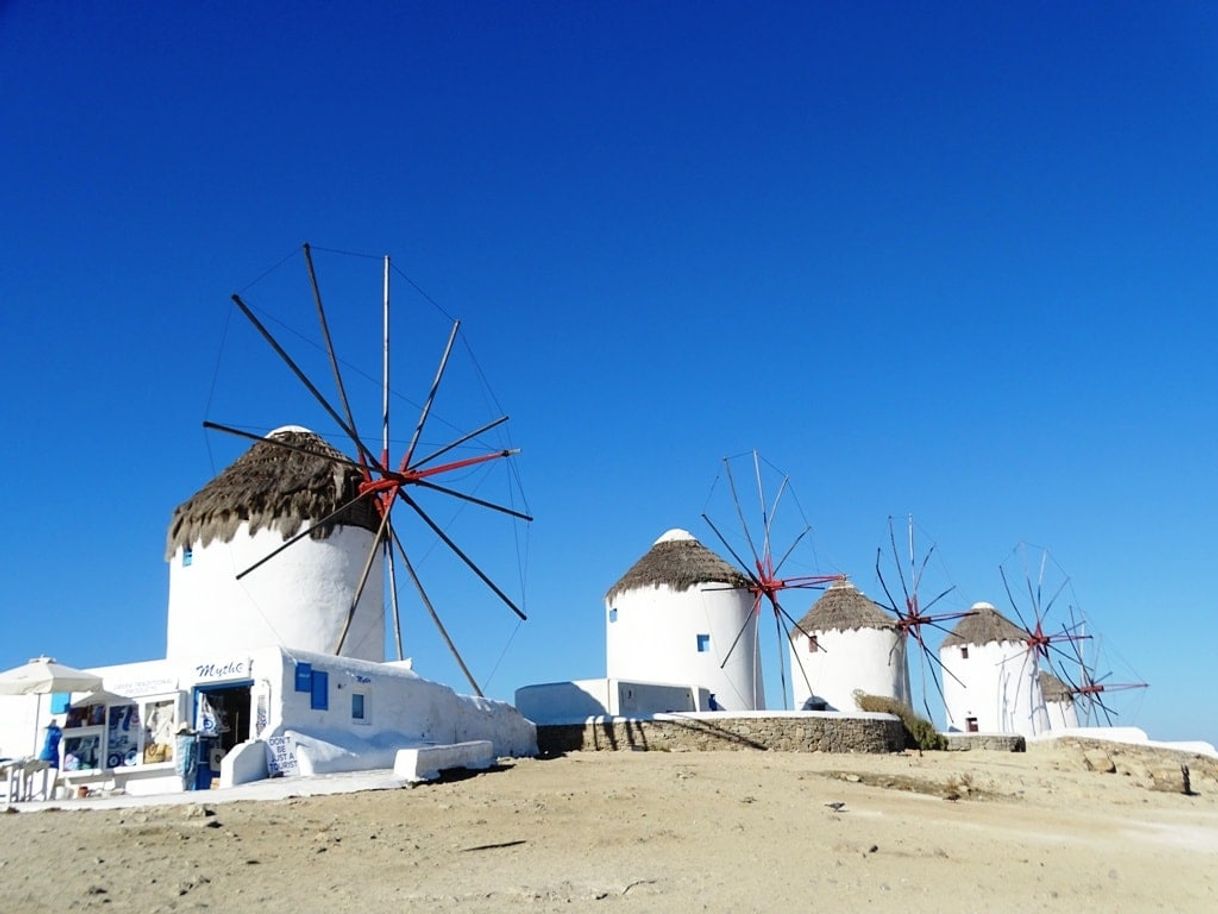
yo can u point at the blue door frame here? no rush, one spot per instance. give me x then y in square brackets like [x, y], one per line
[203, 776]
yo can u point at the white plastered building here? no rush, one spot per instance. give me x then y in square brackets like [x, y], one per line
[846, 643]
[673, 618]
[252, 665]
[990, 683]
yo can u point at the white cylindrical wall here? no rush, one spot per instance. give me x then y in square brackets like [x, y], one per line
[297, 600]
[1062, 714]
[998, 687]
[871, 660]
[652, 635]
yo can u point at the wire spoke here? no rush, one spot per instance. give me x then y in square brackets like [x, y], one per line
[731, 482]
[472, 499]
[1011, 597]
[431, 395]
[304, 379]
[752, 577]
[229, 430]
[748, 620]
[431, 610]
[325, 333]
[329, 518]
[460, 441]
[393, 598]
[896, 555]
[461, 555]
[363, 581]
[786, 555]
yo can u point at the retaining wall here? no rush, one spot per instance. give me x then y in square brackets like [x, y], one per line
[784, 731]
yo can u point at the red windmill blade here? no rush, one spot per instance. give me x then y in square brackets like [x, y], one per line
[382, 485]
[765, 577]
[912, 615]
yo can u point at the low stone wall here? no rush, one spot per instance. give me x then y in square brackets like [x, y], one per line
[995, 742]
[783, 731]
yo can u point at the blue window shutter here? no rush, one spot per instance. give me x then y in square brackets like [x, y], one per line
[304, 677]
[320, 699]
[703, 643]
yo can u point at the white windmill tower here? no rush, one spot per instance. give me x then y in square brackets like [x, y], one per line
[991, 686]
[847, 643]
[672, 616]
[1059, 702]
[282, 484]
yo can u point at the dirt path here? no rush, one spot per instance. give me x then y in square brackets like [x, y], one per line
[736, 831]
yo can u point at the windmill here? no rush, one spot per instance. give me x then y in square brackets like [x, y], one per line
[1086, 688]
[384, 484]
[1044, 646]
[912, 614]
[765, 579]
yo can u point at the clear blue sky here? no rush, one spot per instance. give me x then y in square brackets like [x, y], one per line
[957, 261]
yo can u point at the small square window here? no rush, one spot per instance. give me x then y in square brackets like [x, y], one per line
[703, 644]
[813, 644]
[358, 706]
[187, 556]
[613, 615]
[964, 653]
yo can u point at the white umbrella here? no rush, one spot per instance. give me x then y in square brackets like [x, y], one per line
[42, 676]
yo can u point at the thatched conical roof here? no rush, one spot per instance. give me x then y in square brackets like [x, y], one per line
[985, 626]
[842, 608]
[679, 561]
[272, 488]
[1053, 689]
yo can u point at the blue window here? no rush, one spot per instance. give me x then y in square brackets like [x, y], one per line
[187, 556]
[703, 644]
[319, 700]
[613, 615]
[304, 677]
[357, 706]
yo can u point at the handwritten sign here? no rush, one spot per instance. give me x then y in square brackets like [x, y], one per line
[227, 670]
[281, 757]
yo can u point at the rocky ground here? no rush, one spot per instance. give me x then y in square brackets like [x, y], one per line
[1069, 827]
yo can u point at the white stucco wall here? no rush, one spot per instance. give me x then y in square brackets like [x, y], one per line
[1062, 714]
[576, 701]
[654, 639]
[869, 659]
[402, 709]
[998, 686]
[298, 600]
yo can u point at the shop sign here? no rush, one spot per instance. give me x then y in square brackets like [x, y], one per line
[230, 669]
[138, 687]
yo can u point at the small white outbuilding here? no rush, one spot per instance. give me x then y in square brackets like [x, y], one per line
[300, 598]
[990, 682]
[672, 618]
[850, 644]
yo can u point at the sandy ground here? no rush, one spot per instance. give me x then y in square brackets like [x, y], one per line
[738, 831]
